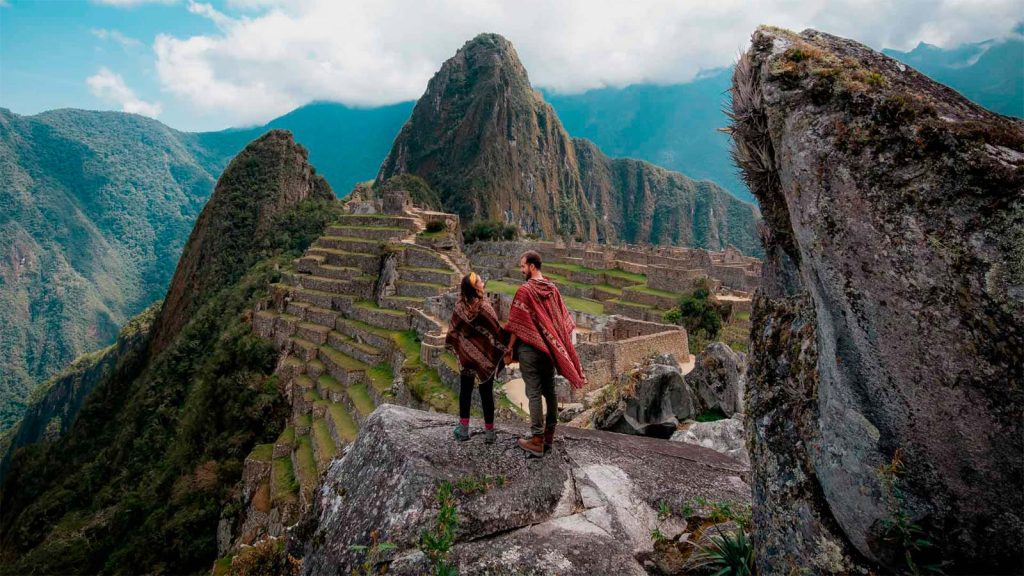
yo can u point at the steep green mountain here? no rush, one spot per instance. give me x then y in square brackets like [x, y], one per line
[138, 482]
[493, 149]
[94, 210]
[674, 126]
[990, 73]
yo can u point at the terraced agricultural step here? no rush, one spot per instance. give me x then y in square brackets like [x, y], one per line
[335, 272]
[323, 283]
[316, 298]
[323, 444]
[443, 276]
[285, 442]
[349, 244]
[315, 368]
[314, 333]
[330, 389]
[376, 220]
[402, 303]
[419, 289]
[419, 257]
[284, 487]
[368, 312]
[341, 424]
[291, 367]
[304, 349]
[304, 465]
[365, 353]
[360, 398]
[302, 422]
[341, 366]
[380, 338]
[263, 323]
[369, 263]
[382, 233]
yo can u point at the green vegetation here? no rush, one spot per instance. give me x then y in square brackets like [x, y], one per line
[360, 397]
[436, 543]
[156, 451]
[728, 553]
[284, 479]
[583, 305]
[419, 191]
[711, 415]
[701, 316]
[915, 546]
[374, 562]
[262, 452]
[469, 485]
[489, 230]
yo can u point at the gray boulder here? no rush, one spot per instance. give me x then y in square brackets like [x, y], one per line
[718, 378]
[652, 401]
[886, 380]
[589, 507]
[726, 436]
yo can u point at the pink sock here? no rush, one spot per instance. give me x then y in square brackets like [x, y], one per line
[489, 426]
[464, 421]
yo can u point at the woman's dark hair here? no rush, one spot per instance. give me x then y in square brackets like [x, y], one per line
[467, 289]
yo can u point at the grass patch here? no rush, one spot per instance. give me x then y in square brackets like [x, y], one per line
[711, 415]
[287, 436]
[307, 463]
[343, 422]
[284, 479]
[645, 289]
[262, 452]
[450, 361]
[381, 378]
[583, 305]
[323, 439]
[502, 287]
[361, 399]
[426, 386]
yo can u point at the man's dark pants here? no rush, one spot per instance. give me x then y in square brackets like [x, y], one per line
[539, 376]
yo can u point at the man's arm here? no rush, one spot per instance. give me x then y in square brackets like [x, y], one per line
[511, 347]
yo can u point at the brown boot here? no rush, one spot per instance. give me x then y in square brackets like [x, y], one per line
[533, 446]
[549, 439]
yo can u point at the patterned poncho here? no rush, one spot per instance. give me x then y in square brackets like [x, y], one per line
[539, 317]
[477, 338]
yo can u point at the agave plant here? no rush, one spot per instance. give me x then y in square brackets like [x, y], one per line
[728, 553]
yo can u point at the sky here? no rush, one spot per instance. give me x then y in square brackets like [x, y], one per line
[228, 63]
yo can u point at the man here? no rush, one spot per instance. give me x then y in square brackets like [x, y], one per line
[541, 329]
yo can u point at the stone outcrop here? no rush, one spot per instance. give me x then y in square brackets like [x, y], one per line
[589, 507]
[726, 436]
[885, 384]
[652, 400]
[718, 379]
[493, 149]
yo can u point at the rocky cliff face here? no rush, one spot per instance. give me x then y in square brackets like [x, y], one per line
[885, 383]
[589, 507]
[268, 177]
[493, 149]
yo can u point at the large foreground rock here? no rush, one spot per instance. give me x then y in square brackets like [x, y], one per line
[885, 380]
[587, 508]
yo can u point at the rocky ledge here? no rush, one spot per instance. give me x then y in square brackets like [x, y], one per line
[591, 506]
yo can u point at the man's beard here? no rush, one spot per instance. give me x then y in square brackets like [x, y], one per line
[526, 275]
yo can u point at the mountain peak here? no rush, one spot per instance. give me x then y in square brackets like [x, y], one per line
[271, 175]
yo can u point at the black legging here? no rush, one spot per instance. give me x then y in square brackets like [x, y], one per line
[466, 380]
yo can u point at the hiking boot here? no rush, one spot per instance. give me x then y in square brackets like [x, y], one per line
[534, 446]
[461, 433]
[490, 436]
[549, 439]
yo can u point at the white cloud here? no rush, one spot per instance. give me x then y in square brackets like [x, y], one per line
[278, 55]
[110, 87]
[126, 42]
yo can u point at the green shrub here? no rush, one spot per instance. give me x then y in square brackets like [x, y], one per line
[489, 230]
[435, 226]
[729, 553]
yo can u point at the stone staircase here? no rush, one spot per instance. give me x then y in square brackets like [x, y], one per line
[343, 351]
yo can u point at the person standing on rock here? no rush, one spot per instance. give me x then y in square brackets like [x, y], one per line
[478, 340]
[541, 329]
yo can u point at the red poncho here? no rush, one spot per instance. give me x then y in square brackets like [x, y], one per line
[539, 317]
[477, 338]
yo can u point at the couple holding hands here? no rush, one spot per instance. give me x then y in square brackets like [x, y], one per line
[538, 335]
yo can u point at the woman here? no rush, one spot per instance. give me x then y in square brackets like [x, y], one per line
[478, 340]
